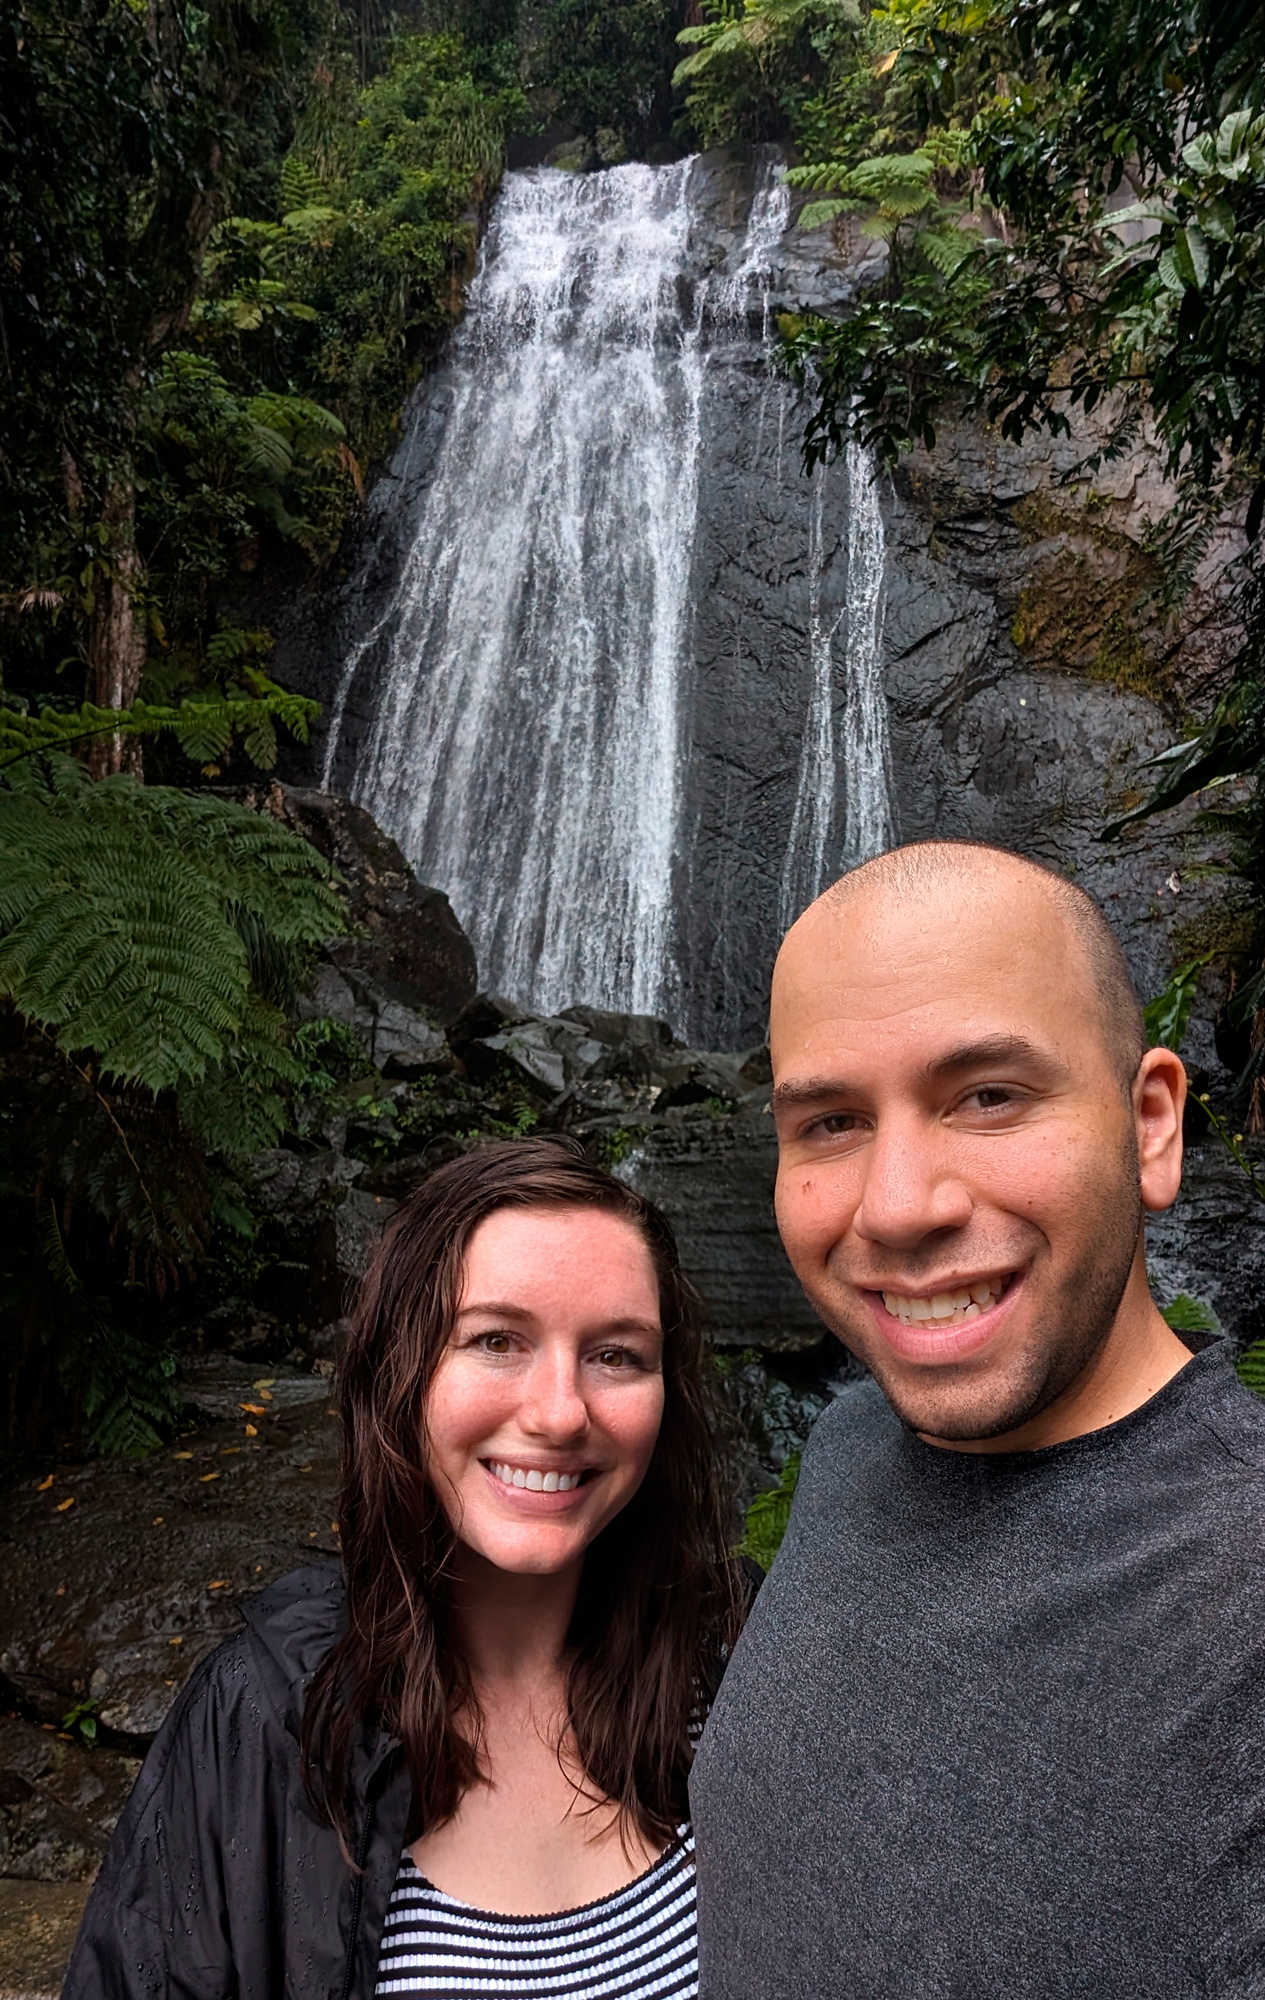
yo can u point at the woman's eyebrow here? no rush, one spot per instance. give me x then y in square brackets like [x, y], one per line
[498, 1309]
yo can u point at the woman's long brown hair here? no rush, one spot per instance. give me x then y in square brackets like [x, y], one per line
[657, 1604]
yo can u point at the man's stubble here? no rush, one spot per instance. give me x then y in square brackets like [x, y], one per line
[1072, 1324]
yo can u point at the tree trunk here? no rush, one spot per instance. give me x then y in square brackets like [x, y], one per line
[116, 635]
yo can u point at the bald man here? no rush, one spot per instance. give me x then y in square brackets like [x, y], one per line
[996, 1727]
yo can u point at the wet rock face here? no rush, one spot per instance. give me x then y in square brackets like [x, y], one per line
[114, 1599]
[58, 1802]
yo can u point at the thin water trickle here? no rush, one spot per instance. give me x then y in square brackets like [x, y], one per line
[817, 849]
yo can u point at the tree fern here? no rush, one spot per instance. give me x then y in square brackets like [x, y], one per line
[122, 911]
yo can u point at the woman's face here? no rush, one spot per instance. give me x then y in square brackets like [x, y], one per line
[546, 1405]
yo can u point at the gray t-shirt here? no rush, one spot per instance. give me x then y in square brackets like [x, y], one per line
[996, 1727]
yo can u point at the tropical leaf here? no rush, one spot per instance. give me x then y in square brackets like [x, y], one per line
[1167, 1016]
[120, 920]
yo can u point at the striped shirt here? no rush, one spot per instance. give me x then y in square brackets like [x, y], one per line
[639, 1944]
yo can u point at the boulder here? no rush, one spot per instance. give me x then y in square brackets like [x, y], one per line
[320, 1226]
[398, 1040]
[412, 949]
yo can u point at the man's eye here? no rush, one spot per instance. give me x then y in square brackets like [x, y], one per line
[836, 1125]
[991, 1096]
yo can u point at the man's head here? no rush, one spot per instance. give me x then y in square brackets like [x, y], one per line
[967, 1112]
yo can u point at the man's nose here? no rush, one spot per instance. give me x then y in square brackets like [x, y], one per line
[553, 1405]
[911, 1190]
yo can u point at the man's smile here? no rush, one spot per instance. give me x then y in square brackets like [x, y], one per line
[947, 1322]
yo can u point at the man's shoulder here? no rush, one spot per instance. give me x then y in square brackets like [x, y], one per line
[855, 1427]
[1235, 1417]
[857, 1413]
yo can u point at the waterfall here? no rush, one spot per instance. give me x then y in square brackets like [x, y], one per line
[525, 753]
[532, 733]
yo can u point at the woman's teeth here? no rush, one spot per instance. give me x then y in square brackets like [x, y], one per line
[946, 1308]
[534, 1481]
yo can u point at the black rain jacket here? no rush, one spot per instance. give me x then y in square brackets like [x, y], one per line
[219, 1884]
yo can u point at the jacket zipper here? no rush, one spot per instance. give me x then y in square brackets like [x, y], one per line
[357, 1896]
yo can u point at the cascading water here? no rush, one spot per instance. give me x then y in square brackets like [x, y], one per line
[533, 731]
[525, 753]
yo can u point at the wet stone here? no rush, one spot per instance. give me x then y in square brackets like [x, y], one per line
[38, 1921]
[117, 1598]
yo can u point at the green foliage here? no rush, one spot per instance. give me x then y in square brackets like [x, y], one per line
[609, 68]
[1251, 1367]
[81, 1720]
[1166, 1017]
[768, 69]
[226, 258]
[768, 1515]
[134, 921]
[204, 728]
[1031, 123]
[150, 942]
[1187, 1315]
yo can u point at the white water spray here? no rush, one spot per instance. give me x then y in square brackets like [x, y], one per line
[525, 753]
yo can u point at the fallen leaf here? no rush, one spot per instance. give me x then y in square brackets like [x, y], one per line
[63, 1504]
[333, 1527]
[60, 1590]
[182, 1454]
[251, 1431]
[221, 1583]
[206, 1477]
[265, 1382]
[158, 1520]
[46, 1483]
[177, 1641]
[253, 1409]
[266, 1394]
[311, 1532]
[229, 1450]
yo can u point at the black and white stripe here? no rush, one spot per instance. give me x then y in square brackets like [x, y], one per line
[639, 1944]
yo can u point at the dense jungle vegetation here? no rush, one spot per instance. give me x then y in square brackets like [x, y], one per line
[234, 232]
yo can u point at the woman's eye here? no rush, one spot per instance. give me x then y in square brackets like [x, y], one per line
[493, 1343]
[618, 1357]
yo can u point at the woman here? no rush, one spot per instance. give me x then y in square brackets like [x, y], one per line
[463, 1768]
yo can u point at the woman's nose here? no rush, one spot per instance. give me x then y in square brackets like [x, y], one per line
[553, 1404]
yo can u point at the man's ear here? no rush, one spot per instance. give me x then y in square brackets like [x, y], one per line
[1159, 1097]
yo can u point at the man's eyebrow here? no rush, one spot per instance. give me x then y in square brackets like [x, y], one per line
[991, 1051]
[811, 1090]
[995, 1051]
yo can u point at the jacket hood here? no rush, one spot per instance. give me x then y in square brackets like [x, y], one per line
[296, 1621]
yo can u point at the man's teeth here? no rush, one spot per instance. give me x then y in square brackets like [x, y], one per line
[534, 1481]
[946, 1308]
